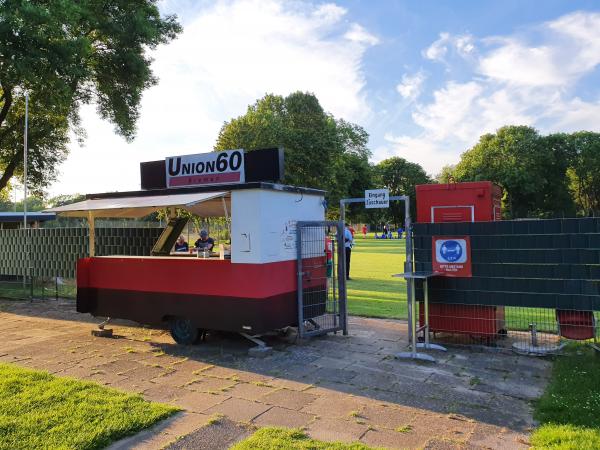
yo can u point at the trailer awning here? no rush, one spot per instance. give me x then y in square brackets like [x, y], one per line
[204, 204]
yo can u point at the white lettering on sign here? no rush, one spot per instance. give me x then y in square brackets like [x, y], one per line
[226, 167]
[377, 198]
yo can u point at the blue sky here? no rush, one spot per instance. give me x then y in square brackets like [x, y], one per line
[424, 78]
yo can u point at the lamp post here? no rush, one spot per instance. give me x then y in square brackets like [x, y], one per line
[27, 270]
[25, 161]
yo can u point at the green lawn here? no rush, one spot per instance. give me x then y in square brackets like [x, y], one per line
[372, 291]
[284, 439]
[38, 410]
[42, 288]
[569, 410]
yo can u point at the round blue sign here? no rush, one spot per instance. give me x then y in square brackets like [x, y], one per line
[451, 251]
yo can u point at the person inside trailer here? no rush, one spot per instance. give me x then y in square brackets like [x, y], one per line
[205, 242]
[181, 245]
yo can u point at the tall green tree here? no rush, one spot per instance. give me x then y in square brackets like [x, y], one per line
[320, 150]
[584, 171]
[400, 177]
[66, 54]
[446, 175]
[531, 170]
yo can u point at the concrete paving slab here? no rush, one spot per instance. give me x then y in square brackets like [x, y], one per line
[249, 391]
[289, 399]
[362, 392]
[162, 393]
[218, 436]
[392, 439]
[334, 405]
[388, 417]
[281, 417]
[207, 384]
[199, 401]
[327, 429]
[163, 433]
[239, 409]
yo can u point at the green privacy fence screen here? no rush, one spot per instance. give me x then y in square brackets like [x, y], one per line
[52, 252]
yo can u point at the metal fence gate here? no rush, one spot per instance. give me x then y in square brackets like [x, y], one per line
[321, 278]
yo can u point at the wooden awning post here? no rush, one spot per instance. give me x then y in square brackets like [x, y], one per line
[92, 233]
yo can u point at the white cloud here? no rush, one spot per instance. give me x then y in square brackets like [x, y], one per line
[438, 49]
[463, 45]
[420, 149]
[356, 33]
[410, 87]
[576, 115]
[230, 54]
[512, 82]
[446, 115]
[572, 51]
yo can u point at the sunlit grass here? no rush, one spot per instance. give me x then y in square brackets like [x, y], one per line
[39, 410]
[372, 291]
[569, 409]
[285, 439]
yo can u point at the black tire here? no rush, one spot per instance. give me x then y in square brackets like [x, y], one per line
[183, 331]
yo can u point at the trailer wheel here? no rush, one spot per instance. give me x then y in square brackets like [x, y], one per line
[183, 331]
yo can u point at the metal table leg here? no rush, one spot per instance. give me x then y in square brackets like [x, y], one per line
[413, 354]
[427, 345]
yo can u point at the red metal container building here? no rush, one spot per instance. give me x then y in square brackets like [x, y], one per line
[478, 201]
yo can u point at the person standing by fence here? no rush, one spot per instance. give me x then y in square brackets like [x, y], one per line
[348, 241]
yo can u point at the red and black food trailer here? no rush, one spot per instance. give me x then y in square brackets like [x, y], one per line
[249, 285]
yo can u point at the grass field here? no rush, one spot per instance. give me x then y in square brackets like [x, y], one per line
[284, 439]
[372, 291]
[42, 288]
[569, 410]
[38, 410]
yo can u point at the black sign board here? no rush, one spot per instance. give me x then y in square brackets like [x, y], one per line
[259, 165]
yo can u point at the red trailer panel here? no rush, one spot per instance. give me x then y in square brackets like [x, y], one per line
[214, 294]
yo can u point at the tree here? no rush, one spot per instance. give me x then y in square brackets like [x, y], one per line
[530, 169]
[584, 173]
[66, 54]
[320, 151]
[65, 199]
[446, 175]
[400, 177]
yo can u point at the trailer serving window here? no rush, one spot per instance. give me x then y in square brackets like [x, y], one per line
[203, 204]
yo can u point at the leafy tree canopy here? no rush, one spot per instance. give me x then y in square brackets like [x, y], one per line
[530, 168]
[584, 171]
[68, 53]
[400, 177]
[320, 150]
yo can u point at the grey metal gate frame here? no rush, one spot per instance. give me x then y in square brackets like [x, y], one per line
[409, 275]
[408, 262]
[335, 297]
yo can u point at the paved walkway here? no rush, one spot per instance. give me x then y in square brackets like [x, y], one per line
[337, 387]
